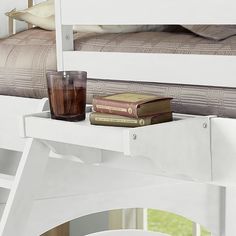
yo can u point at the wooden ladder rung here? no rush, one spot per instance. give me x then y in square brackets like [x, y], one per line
[6, 181]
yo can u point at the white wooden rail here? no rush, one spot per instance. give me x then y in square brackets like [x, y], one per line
[209, 70]
[148, 12]
[149, 67]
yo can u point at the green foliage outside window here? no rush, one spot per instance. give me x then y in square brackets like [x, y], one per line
[171, 224]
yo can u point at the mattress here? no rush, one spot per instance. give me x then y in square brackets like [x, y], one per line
[26, 56]
[178, 42]
[24, 60]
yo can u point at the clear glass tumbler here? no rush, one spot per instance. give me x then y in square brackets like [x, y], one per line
[67, 94]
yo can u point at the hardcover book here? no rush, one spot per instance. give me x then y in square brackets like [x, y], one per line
[132, 104]
[97, 118]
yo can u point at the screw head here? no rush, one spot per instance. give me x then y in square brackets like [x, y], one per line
[67, 37]
[205, 125]
[134, 136]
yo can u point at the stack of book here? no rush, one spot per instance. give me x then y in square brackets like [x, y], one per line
[130, 110]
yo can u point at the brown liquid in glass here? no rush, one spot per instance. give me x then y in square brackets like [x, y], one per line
[68, 104]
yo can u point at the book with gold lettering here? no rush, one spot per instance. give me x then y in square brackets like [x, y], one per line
[97, 118]
[132, 104]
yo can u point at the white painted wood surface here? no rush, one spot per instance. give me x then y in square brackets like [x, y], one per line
[70, 190]
[200, 202]
[13, 109]
[224, 150]
[59, 131]
[211, 216]
[230, 212]
[145, 66]
[21, 185]
[28, 177]
[150, 67]
[6, 181]
[171, 144]
[148, 12]
[68, 183]
[181, 135]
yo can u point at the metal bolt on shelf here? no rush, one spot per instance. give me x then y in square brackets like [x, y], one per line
[205, 125]
[134, 136]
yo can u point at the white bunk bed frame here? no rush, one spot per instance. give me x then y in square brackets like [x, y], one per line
[34, 194]
[150, 67]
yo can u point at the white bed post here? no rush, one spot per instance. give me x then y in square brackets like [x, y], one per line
[230, 211]
[30, 4]
[23, 186]
[11, 26]
[64, 37]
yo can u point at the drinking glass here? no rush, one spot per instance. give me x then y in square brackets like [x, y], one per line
[67, 94]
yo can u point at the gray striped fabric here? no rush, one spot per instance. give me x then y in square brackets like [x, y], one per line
[216, 32]
[25, 58]
[199, 100]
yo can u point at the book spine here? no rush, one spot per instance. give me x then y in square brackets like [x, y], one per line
[118, 121]
[115, 107]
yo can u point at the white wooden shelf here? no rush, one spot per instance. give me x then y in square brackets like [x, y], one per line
[125, 168]
[77, 133]
[166, 145]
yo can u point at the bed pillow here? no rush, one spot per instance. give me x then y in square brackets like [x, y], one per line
[117, 28]
[43, 16]
[216, 32]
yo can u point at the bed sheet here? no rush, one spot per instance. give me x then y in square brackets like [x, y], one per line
[25, 58]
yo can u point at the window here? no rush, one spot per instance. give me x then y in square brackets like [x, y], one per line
[174, 225]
